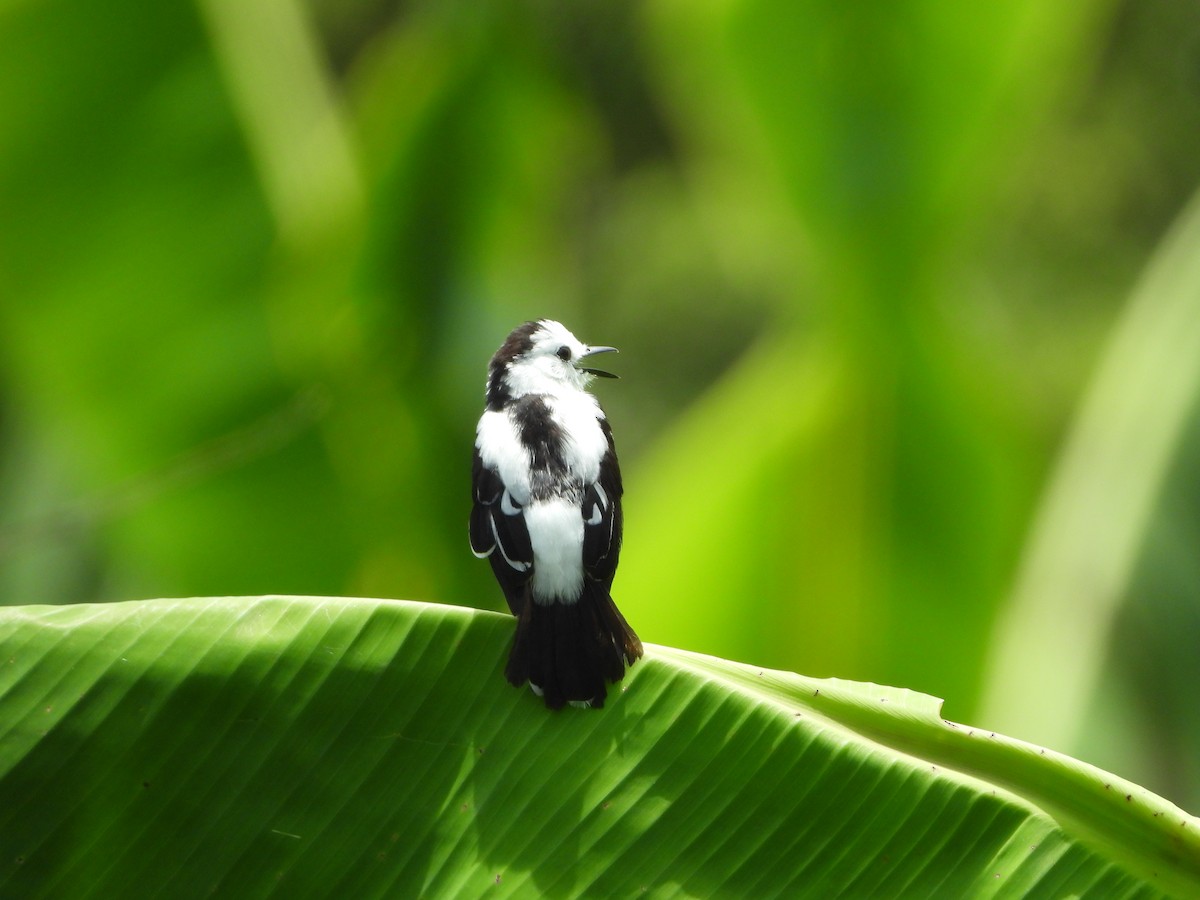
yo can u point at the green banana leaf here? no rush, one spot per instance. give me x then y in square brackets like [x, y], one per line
[335, 747]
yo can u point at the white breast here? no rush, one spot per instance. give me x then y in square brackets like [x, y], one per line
[586, 445]
[500, 445]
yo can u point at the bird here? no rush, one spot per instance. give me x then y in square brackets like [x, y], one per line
[546, 514]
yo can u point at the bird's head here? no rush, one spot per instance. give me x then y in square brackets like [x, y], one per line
[541, 357]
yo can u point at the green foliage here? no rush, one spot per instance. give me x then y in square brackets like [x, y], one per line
[331, 746]
[860, 261]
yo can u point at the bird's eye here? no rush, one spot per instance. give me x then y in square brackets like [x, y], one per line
[564, 353]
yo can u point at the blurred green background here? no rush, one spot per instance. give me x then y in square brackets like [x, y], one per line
[866, 264]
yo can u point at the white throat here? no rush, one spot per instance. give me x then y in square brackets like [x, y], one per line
[545, 376]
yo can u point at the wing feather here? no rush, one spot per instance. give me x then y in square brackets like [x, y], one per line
[498, 531]
[603, 519]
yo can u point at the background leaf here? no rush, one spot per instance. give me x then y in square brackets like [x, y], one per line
[1090, 526]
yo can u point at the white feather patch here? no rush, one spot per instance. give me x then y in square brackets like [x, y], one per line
[579, 415]
[507, 506]
[500, 448]
[556, 534]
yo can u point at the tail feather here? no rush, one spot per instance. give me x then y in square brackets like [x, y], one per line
[570, 650]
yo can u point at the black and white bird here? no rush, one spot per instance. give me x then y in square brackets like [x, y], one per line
[547, 514]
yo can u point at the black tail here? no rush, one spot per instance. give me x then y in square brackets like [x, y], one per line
[568, 651]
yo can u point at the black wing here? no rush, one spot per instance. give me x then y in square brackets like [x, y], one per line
[498, 532]
[602, 517]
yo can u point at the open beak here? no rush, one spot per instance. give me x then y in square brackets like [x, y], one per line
[592, 351]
